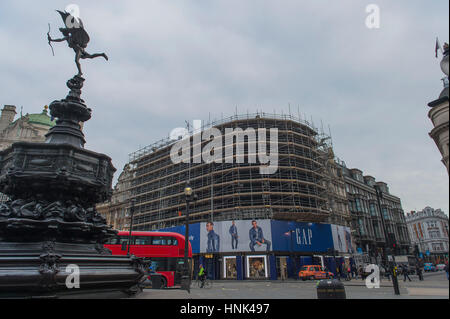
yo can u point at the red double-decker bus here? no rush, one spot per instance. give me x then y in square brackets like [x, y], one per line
[166, 251]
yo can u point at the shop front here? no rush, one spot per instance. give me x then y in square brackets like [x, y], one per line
[262, 249]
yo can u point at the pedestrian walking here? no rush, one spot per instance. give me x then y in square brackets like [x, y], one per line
[361, 272]
[354, 271]
[283, 271]
[419, 272]
[349, 273]
[344, 271]
[405, 273]
[338, 272]
[387, 271]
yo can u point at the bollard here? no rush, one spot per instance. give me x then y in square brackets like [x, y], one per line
[331, 289]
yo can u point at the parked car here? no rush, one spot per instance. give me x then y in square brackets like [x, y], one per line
[314, 272]
[440, 267]
[429, 267]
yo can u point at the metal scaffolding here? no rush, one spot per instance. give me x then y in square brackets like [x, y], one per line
[226, 191]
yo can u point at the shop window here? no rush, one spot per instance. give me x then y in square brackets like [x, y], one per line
[230, 269]
[257, 267]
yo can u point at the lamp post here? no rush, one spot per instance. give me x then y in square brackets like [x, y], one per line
[186, 279]
[332, 252]
[133, 203]
[291, 251]
[386, 251]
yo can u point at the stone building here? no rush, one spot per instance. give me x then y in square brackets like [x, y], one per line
[428, 230]
[367, 220]
[336, 192]
[117, 210]
[296, 191]
[439, 114]
[27, 128]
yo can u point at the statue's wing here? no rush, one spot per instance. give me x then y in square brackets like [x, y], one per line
[64, 16]
[79, 35]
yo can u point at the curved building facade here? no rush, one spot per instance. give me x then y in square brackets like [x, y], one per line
[234, 187]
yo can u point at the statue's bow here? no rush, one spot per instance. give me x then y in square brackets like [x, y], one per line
[49, 39]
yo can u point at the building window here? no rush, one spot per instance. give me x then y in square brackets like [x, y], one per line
[373, 210]
[358, 205]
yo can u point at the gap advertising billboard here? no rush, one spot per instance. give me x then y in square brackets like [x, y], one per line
[240, 235]
[265, 235]
[342, 239]
[301, 237]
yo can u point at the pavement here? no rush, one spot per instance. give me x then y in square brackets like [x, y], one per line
[434, 286]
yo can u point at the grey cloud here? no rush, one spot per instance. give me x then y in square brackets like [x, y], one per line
[173, 61]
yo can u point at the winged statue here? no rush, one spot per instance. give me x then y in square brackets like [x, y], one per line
[77, 38]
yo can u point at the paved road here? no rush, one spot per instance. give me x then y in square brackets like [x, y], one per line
[435, 286]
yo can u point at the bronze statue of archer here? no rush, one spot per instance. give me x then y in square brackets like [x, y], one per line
[77, 38]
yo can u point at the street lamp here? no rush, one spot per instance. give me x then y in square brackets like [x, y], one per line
[291, 250]
[332, 252]
[386, 251]
[186, 279]
[133, 203]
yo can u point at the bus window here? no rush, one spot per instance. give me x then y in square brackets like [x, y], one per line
[161, 241]
[143, 240]
[124, 239]
[172, 241]
[119, 240]
[113, 241]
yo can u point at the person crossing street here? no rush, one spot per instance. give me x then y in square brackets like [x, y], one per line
[405, 273]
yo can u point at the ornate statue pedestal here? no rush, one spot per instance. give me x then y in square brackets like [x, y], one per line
[42, 269]
[50, 224]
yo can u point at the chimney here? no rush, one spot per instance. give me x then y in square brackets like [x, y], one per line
[7, 117]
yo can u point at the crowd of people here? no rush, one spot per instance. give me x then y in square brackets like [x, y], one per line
[349, 272]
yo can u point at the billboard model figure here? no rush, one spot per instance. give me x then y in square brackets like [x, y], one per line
[257, 237]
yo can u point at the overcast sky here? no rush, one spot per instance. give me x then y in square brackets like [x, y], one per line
[172, 61]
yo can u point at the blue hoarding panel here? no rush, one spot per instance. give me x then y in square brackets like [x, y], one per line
[285, 236]
[273, 267]
[239, 268]
[194, 235]
[291, 267]
[301, 237]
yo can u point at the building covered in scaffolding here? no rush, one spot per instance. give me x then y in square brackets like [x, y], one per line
[255, 175]
[235, 189]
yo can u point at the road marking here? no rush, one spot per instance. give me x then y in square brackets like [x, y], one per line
[427, 291]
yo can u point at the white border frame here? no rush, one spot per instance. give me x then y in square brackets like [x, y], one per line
[225, 266]
[248, 264]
